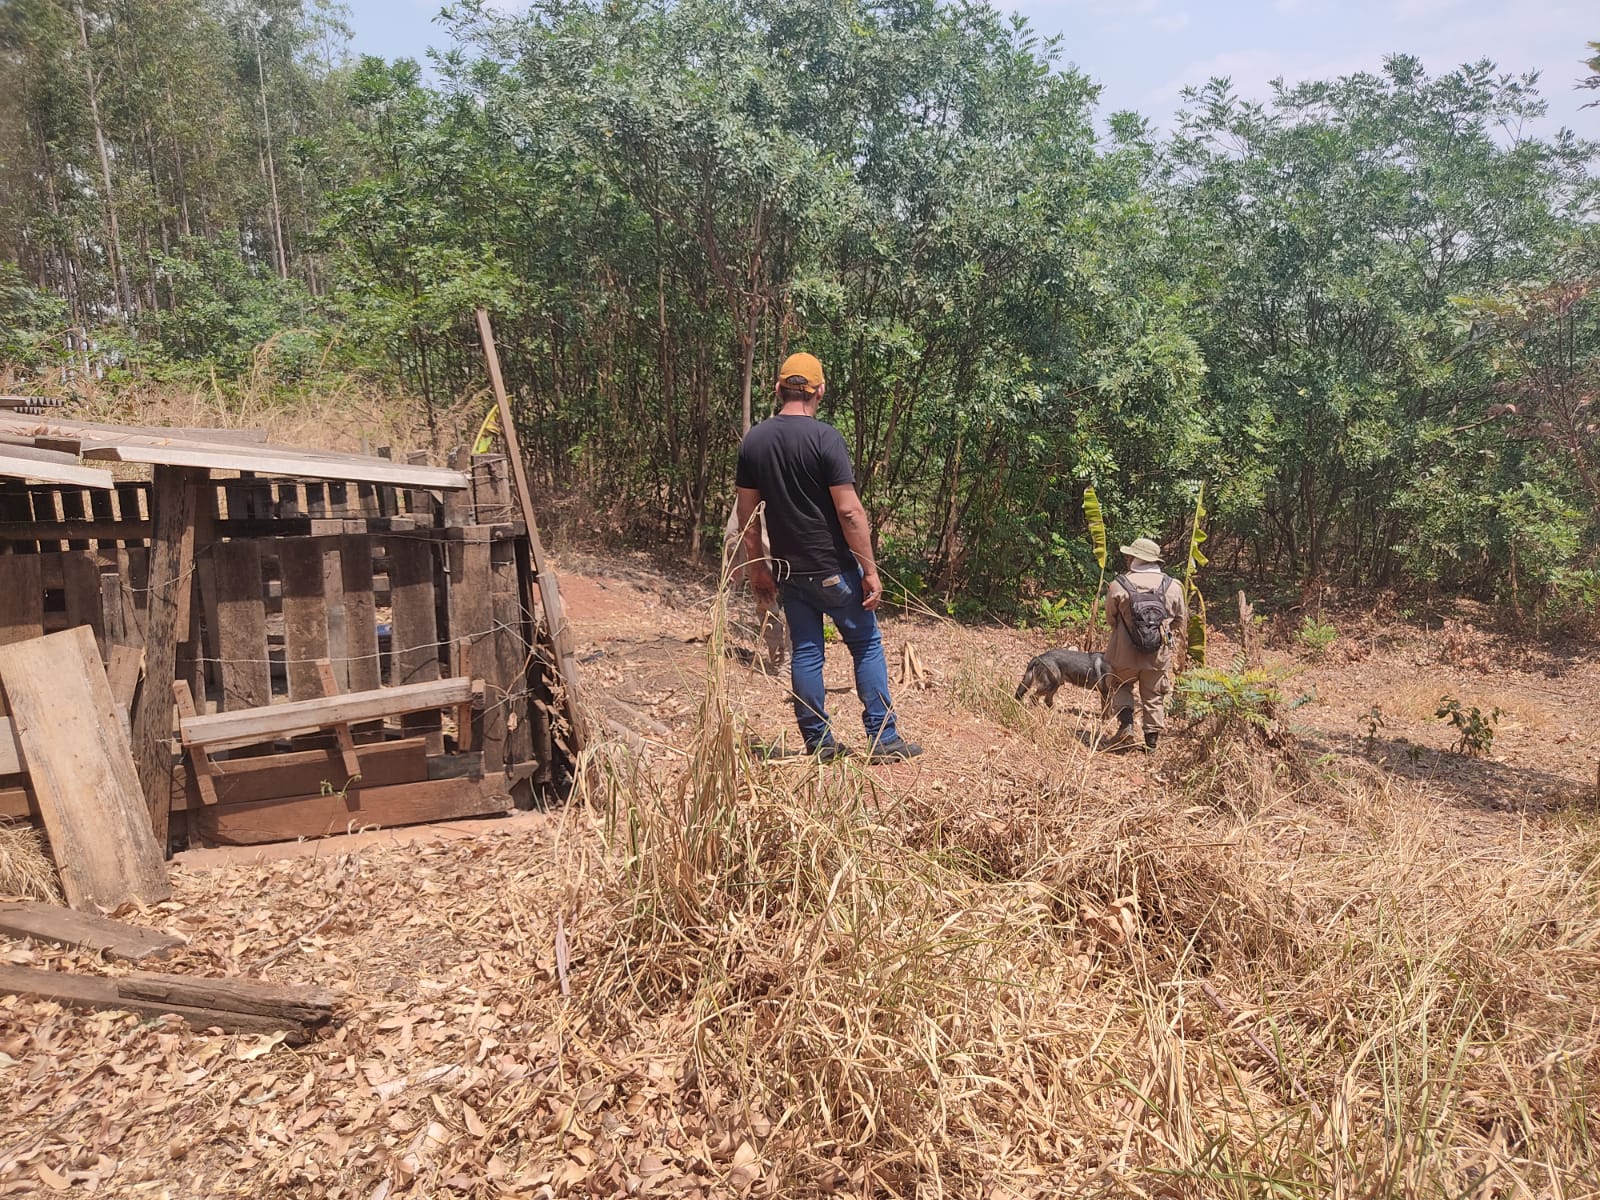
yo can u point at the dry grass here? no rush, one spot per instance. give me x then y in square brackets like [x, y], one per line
[335, 411]
[1137, 991]
[730, 977]
[1419, 701]
[26, 870]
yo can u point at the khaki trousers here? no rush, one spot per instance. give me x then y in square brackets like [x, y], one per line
[1154, 686]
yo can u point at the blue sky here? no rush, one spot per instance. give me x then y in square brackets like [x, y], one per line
[1145, 51]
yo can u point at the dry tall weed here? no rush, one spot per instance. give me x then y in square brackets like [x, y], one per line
[344, 412]
[1104, 988]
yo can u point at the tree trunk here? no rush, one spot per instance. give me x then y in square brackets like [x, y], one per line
[747, 379]
[272, 174]
[114, 246]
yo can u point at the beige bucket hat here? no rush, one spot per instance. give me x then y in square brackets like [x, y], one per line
[1143, 548]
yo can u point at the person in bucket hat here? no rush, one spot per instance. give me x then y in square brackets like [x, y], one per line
[1147, 613]
[821, 545]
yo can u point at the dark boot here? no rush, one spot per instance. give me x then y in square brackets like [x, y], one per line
[1151, 737]
[1123, 739]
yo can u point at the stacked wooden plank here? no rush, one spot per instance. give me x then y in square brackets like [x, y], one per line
[259, 592]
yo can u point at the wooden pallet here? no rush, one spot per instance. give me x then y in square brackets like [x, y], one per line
[252, 585]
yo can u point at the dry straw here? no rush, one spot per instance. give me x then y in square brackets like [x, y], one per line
[1308, 985]
[26, 870]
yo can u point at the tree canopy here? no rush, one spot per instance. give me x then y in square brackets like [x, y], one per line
[1362, 312]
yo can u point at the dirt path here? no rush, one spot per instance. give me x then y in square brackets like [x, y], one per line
[1370, 696]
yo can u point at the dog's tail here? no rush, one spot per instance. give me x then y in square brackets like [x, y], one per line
[1027, 678]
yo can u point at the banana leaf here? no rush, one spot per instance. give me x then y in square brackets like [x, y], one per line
[1096, 519]
[486, 432]
[1097, 526]
[1191, 590]
[1197, 628]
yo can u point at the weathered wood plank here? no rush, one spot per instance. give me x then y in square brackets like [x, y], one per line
[371, 807]
[534, 661]
[305, 614]
[21, 598]
[205, 648]
[198, 754]
[334, 612]
[555, 617]
[304, 773]
[82, 772]
[307, 716]
[45, 471]
[347, 743]
[167, 622]
[68, 927]
[491, 489]
[100, 992]
[509, 649]
[298, 1002]
[266, 460]
[242, 625]
[133, 565]
[414, 648]
[457, 506]
[363, 671]
[17, 803]
[473, 640]
[80, 581]
[189, 664]
[11, 760]
[114, 619]
[123, 669]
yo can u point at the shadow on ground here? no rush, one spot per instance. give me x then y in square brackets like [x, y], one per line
[1482, 783]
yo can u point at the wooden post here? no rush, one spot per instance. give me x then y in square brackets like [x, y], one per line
[171, 588]
[549, 588]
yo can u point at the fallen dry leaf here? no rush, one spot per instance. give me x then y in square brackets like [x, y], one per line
[259, 1048]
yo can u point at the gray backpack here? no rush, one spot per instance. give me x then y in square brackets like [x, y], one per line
[1147, 614]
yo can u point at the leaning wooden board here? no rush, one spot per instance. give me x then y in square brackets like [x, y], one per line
[82, 771]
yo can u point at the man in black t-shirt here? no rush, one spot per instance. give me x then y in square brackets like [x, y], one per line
[822, 546]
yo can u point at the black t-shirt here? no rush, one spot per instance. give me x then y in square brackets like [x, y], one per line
[793, 461]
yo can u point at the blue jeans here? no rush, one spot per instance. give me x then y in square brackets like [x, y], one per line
[805, 599]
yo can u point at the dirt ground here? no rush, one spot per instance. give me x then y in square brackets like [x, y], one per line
[1371, 695]
[444, 1036]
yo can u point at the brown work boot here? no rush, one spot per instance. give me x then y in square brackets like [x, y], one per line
[1123, 739]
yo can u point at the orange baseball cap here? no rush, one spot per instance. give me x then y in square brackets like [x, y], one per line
[801, 371]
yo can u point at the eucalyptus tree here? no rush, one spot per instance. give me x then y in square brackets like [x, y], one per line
[1327, 233]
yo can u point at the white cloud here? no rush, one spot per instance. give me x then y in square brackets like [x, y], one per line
[1251, 73]
[1423, 10]
[1115, 18]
